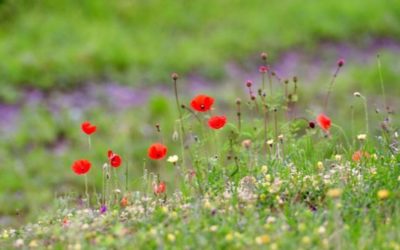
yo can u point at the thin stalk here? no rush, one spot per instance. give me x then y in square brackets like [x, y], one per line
[89, 142]
[265, 131]
[238, 114]
[330, 88]
[104, 186]
[276, 124]
[126, 175]
[270, 83]
[381, 81]
[263, 81]
[180, 120]
[366, 114]
[344, 134]
[87, 190]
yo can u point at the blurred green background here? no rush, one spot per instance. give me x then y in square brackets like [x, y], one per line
[63, 62]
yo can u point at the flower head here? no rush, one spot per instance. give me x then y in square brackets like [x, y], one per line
[324, 122]
[263, 69]
[159, 188]
[358, 155]
[202, 103]
[81, 166]
[103, 209]
[88, 128]
[115, 160]
[383, 194]
[362, 137]
[249, 83]
[157, 151]
[173, 159]
[334, 192]
[217, 122]
[124, 202]
[340, 62]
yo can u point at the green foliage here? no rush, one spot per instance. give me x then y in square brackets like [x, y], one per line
[47, 43]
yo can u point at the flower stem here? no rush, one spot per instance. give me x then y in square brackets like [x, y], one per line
[366, 114]
[381, 81]
[87, 190]
[89, 142]
[330, 88]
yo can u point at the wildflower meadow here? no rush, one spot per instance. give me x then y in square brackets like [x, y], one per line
[199, 124]
[256, 173]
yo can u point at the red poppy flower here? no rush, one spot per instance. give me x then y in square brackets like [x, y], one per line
[160, 188]
[217, 122]
[115, 160]
[358, 155]
[81, 166]
[157, 151]
[202, 103]
[88, 128]
[124, 202]
[324, 121]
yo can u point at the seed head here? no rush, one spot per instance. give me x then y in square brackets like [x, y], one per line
[311, 124]
[340, 62]
[263, 69]
[174, 76]
[246, 143]
[264, 56]
[249, 83]
[362, 137]
[238, 101]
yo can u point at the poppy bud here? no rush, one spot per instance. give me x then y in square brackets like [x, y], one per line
[174, 76]
[246, 144]
[295, 79]
[286, 81]
[273, 73]
[340, 63]
[249, 83]
[253, 97]
[264, 56]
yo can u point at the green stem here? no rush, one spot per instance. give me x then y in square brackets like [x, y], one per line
[366, 114]
[381, 81]
[87, 190]
[330, 88]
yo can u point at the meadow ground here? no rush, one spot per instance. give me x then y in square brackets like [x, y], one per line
[272, 176]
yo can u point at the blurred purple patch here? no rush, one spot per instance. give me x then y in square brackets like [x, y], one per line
[103, 209]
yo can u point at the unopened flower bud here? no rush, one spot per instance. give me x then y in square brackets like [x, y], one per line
[264, 56]
[174, 76]
[246, 143]
[340, 63]
[249, 83]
